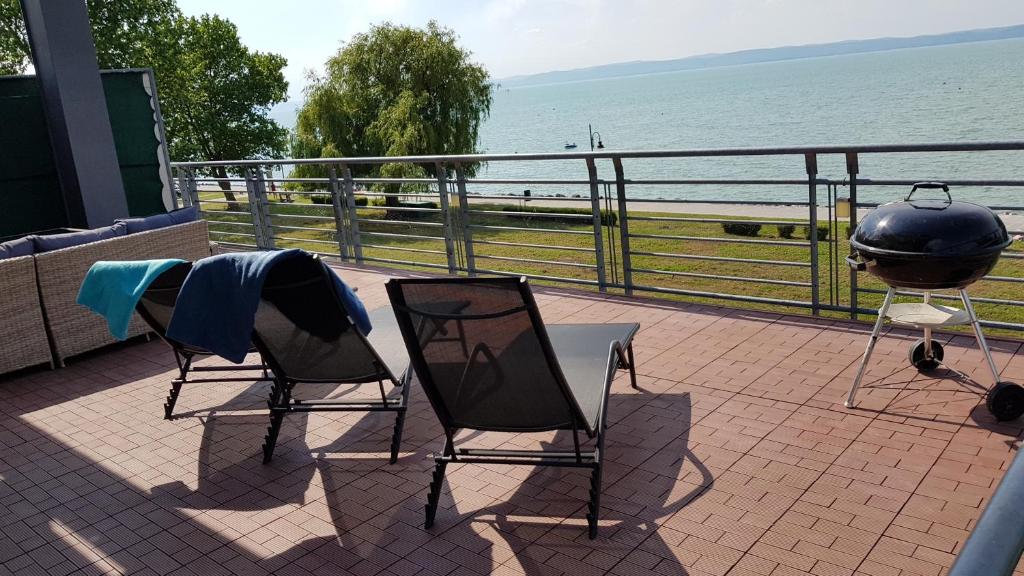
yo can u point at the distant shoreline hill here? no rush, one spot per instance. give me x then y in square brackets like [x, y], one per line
[760, 55]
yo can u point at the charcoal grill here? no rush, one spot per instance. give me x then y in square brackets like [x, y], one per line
[928, 244]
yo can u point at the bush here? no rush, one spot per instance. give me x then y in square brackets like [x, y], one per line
[326, 199]
[741, 229]
[786, 230]
[607, 218]
[823, 232]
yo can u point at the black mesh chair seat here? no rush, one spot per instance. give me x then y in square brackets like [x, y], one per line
[156, 306]
[487, 362]
[306, 336]
[578, 348]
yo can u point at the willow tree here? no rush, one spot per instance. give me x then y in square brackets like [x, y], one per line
[395, 91]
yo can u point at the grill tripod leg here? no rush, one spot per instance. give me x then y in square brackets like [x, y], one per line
[980, 336]
[851, 397]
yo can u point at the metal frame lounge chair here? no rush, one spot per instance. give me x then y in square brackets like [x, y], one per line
[306, 337]
[510, 373]
[156, 307]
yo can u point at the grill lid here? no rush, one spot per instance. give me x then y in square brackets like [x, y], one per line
[931, 228]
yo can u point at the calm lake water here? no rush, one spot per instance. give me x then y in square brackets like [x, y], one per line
[958, 93]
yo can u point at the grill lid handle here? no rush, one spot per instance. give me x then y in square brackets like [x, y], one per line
[930, 186]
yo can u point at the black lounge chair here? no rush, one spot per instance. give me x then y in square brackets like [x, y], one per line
[305, 335]
[510, 373]
[156, 307]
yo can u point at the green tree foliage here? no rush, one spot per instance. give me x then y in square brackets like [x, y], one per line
[120, 30]
[215, 94]
[395, 91]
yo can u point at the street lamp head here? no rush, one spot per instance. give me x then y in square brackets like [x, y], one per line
[600, 144]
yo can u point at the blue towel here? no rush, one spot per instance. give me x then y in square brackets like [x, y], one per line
[112, 289]
[216, 308]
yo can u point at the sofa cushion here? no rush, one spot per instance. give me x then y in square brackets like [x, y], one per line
[58, 241]
[17, 248]
[180, 216]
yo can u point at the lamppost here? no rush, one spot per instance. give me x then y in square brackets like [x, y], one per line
[600, 145]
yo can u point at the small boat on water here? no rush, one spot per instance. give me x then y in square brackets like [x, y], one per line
[569, 146]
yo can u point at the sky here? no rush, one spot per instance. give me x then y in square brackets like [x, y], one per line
[514, 37]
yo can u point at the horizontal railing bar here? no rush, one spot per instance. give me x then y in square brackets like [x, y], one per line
[398, 208]
[532, 261]
[403, 249]
[721, 221]
[532, 214]
[934, 295]
[332, 242]
[724, 240]
[382, 180]
[961, 182]
[720, 277]
[730, 182]
[302, 228]
[227, 222]
[538, 277]
[519, 229]
[329, 218]
[231, 233]
[720, 296]
[542, 246]
[736, 202]
[582, 155]
[1004, 279]
[400, 223]
[538, 181]
[405, 262]
[722, 259]
[472, 196]
[403, 236]
[223, 243]
[224, 212]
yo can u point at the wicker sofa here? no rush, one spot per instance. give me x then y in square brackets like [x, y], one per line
[23, 340]
[74, 329]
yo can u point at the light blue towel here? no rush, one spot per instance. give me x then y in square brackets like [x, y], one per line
[112, 289]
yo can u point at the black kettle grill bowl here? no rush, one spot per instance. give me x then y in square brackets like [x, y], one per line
[929, 244]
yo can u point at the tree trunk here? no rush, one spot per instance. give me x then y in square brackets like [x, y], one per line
[221, 174]
[392, 201]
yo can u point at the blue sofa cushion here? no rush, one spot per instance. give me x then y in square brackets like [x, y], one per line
[180, 216]
[58, 241]
[17, 248]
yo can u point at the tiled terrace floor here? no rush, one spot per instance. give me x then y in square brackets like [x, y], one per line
[735, 457]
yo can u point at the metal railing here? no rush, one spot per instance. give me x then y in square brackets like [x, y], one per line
[609, 234]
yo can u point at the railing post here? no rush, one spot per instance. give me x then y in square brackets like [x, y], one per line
[620, 193]
[811, 163]
[186, 197]
[449, 240]
[192, 188]
[263, 207]
[252, 199]
[595, 207]
[349, 195]
[467, 232]
[852, 169]
[338, 203]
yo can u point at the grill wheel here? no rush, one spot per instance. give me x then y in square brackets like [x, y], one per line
[1005, 401]
[918, 359]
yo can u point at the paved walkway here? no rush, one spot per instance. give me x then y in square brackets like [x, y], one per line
[735, 457]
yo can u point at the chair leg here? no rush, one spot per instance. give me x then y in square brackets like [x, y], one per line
[280, 398]
[594, 504]
[184, 364]
[172, 399]
[396, 434]
[632, 366]
[435, 491]
[270, 440]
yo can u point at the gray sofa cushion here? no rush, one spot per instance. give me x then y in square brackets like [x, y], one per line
[17, 248]
[180, 216]
[58, 241]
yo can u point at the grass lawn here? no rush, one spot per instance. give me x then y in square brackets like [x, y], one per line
[419, 238]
